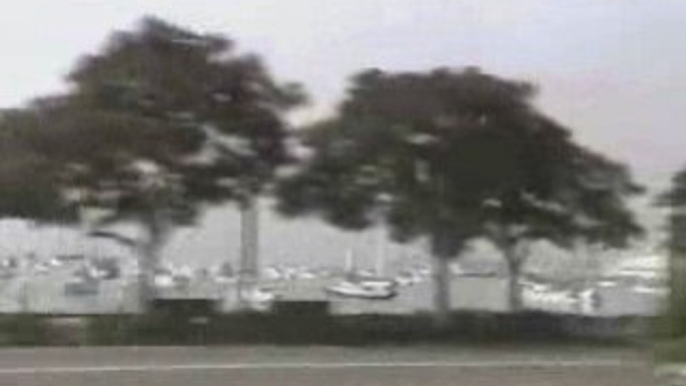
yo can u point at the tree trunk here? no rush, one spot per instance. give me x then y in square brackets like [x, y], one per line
[441, 280]
[676, 274]
[514, 264]
[441, 295]
[675, 307]
[149, 259]
[248, 272]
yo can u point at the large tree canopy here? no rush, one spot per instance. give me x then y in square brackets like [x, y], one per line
[194, 104]
[186, 104]
[29, 188]
[453, 155]
[159, 123]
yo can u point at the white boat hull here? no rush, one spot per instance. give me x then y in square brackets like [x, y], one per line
[376, 291]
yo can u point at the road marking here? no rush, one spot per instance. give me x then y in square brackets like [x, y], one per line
[310, 366]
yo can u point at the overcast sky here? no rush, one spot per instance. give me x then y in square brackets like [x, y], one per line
[613, 70]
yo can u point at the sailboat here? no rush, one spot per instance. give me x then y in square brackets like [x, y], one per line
[367, 286]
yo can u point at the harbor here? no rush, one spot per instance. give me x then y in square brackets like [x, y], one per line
[79, 285]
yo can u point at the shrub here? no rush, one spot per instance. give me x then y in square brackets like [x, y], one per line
[25, 330]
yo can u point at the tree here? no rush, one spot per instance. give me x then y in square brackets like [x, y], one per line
[452, 156]
[28, 180]
[675, 200]
[567, 195]
[159, 124]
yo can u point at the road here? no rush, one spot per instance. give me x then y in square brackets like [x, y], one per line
[318, 366]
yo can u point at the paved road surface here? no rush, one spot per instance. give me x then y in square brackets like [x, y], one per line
[321, 366]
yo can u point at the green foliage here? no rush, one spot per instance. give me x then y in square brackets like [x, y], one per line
[461, 153]
[277, 329]
[108, 330]
[30, 184]
[160, 124]
[456, 155]
[25, 330]
[675, 198]
[674, 323]
[162, 121]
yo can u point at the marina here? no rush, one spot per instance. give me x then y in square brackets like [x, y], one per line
[76, 286]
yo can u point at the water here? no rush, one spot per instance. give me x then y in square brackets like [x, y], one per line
[45, 294]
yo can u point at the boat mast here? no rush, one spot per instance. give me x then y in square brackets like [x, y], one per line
[249, 269]
[349, 262]
[380, 252]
